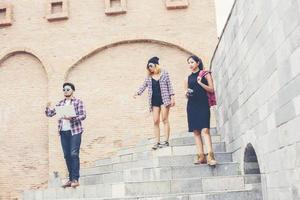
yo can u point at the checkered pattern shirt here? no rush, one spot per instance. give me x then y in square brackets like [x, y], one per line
[76, 126]
[165, 88]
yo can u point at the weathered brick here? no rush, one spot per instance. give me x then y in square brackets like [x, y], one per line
[105, 56]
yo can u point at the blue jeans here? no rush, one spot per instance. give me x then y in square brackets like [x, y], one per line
[71, 146]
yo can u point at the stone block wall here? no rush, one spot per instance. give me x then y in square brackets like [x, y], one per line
[256, 67]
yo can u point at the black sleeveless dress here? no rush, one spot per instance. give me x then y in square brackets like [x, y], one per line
[198, 112]
[156, 99]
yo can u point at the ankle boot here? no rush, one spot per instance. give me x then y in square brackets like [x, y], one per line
[211, 159]
[200, 159]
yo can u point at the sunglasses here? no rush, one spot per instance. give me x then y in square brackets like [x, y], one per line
[66, 89]
[150, 65]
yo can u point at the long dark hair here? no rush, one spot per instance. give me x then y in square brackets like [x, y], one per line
[197, 60]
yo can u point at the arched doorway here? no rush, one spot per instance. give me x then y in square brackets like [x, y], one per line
[106, 80]
[24, 138]
[251, 165]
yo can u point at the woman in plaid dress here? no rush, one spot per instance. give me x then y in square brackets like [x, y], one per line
[161, 98]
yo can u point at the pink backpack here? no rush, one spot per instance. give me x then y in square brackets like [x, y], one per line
[211, 95]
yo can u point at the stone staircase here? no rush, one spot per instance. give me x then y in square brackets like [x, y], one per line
[165, 174]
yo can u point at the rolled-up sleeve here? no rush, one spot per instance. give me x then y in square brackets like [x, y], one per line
[81, 115]
[50, 112]
[142, 88]
[169, 83]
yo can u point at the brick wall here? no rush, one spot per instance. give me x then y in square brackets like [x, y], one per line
[105, 56]
[24, 138]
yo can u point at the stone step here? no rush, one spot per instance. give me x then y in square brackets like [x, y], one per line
[207, 184]
[143, 189]
[163, 161]
[188, 160]
[152, 140]
[126, 154]
[227, 195]
[179, 141]
[187, 150]
[213, 132]
[162, 155]
[161, 173]
[190, 140]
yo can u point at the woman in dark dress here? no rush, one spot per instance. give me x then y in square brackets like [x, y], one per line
[198, 110]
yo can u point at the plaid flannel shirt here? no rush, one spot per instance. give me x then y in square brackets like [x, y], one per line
[165, 87]
[76, 126]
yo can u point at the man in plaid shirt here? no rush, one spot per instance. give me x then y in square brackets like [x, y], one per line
[70, 129]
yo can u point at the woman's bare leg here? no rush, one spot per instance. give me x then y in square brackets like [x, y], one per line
[198, 141]
[165, 120]
[207, 139]
[156, 120]
[208, 143]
